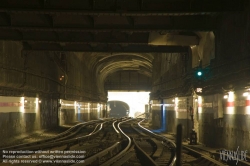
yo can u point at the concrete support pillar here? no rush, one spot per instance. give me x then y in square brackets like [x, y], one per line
[195, 112]
[169, 105]
[156, 114]
[183, 115]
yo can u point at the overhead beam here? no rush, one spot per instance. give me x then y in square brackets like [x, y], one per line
[130, 20]
[104, 48]
[49, 19]
[143, 40]
[112, 13]
[62, 23]
[177, 28]
[91, 21]
[149, 7]
[86, 37]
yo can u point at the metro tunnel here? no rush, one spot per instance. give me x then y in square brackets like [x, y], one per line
[60, 59]
[118, 109]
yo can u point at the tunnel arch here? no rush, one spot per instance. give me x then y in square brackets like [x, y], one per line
[104, 64]
[112, 63]
[118, 109]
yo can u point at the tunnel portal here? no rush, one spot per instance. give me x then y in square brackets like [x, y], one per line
[118, 109]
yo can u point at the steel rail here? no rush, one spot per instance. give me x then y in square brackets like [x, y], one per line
[98, 156]
[149, 159]
[115, 127]
[215, 155]
[64, 142]
[61, 135]
[139, 132]
[200, 155]
[115, 158]
[118, 133]
[116, 147]
[160, 137]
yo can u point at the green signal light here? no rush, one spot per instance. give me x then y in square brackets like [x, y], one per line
[199, 73]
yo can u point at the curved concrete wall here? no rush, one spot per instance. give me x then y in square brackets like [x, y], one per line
[205, 50]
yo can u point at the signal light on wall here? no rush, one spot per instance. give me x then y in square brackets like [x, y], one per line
[199, 73]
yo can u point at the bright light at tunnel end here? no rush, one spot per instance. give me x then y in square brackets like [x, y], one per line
[135, 100]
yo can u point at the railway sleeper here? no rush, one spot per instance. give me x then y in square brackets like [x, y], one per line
[159, 148]
[125, 158]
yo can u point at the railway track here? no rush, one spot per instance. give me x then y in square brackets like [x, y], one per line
[119, 142]
[191, 157]
[73, 139]
[194, 156]
[81, 128]
[213, 158]
[110, 142]
[141, 147]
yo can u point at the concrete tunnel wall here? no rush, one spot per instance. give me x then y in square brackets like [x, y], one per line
[43, 75]
[227, 69]
[218, 122]
[19, 117]
[225, 122]
[73, 111]
[171, 112]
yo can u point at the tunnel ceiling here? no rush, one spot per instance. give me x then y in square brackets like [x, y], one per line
[106, 25]
[124, 61]
[112, 34]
